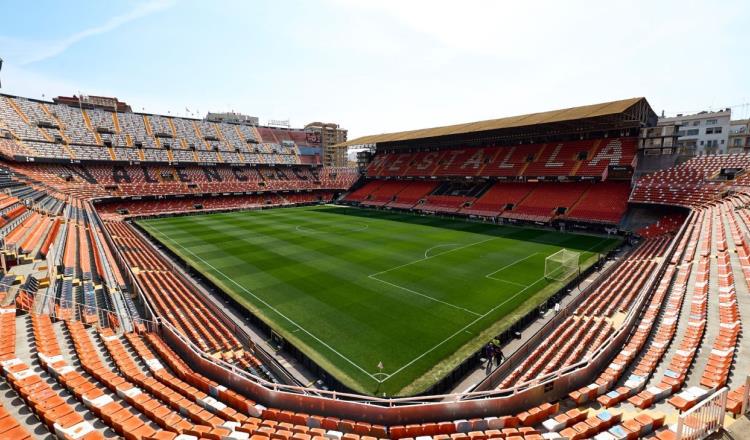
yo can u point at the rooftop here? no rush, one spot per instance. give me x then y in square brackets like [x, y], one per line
[554, 116]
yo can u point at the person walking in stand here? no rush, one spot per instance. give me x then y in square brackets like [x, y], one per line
[488, 354]
[499, 357]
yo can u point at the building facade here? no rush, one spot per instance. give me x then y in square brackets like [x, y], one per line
[662, 139]
[702, 133]
[739, 136]
[328, 135]
[232, 117]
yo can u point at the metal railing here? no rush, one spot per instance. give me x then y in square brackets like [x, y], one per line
[703, 419]
[405, 409]
[746, 397]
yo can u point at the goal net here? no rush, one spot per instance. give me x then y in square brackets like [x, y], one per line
[561, 265]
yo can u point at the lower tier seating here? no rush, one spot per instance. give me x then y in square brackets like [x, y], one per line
[604, 202]
[117, 208]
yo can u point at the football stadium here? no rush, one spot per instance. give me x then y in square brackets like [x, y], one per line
[572, 273]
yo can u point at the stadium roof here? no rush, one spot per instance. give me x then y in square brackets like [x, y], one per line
[532, 119]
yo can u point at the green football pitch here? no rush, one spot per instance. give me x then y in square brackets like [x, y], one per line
[353, 288]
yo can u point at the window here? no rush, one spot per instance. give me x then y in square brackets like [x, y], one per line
[738, 142]
[711, 121]
[696, 123]
[717, 130]
[692, 132]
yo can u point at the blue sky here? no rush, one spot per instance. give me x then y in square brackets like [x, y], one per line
[380, 65]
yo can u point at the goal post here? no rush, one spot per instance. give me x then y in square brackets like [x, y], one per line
[561, 265]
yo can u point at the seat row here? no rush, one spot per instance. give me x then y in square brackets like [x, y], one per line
[582, 333]
[604, 202]
[692, 183]
[179, 303]
[55, 130]
[86, 181]
[570, 158]
[110, 209]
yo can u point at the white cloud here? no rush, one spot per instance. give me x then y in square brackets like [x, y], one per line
[25, 52]
[384, 65]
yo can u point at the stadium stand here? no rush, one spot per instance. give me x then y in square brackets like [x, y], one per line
[498, 198]
[570, 159]
[589, 195]
[120, 180]
[604, 202]
[692, 183]
[591, 324]
[82, 361]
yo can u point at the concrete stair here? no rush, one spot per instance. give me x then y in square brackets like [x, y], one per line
[65, 341]
[25, 338]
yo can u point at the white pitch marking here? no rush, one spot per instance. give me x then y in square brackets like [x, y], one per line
[473, 322]
[438, 246]
[269, 306]
[308, 230]
[509, 282]
[489, 275]
[425, 296]
[433, 256]
[460, 330]
[373, 275]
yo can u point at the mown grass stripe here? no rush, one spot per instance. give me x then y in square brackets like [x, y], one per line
[321, 281]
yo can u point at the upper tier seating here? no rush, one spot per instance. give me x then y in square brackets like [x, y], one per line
[588, 158]
[275, 135]
[46, 129]
[692, 183]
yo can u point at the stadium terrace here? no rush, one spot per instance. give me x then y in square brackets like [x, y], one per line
[541, 276]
